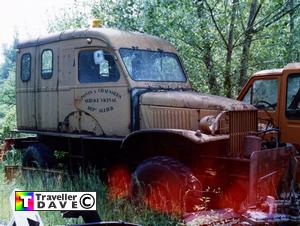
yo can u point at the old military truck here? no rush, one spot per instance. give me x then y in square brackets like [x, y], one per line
[122, 100]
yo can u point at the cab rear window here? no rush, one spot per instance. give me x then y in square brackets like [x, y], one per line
[47, 64]
[95, 66]
[25, 67]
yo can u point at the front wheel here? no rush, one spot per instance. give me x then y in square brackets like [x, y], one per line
[166, 185]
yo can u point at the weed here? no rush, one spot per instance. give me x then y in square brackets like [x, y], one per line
[84, 180]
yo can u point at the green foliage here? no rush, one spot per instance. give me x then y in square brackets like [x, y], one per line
[7, 92]
[73, 16]
[7, 106]
[8, 123]
[200, 31]
[13, 158]
[109, 210]
[9, 54]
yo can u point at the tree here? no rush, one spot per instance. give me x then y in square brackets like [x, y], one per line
[248, 37]
[7, 90]
[220, 42]
[75, 15]
[254, 28]
[293, 53]
[9, 53]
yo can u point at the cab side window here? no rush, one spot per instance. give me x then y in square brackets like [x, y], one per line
[247, 97]
[25, 67]
[47, 64]
[97, 66]
[293, 97]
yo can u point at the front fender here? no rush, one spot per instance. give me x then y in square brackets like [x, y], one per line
[175, 143]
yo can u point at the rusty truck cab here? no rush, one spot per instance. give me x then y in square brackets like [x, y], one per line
[276, 94]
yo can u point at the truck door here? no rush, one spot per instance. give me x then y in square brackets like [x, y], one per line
[46, 87]
[290, 115]
[101, 102]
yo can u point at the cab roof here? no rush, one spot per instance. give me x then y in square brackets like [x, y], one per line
[277, 72]
[268, 72]
[114, 38]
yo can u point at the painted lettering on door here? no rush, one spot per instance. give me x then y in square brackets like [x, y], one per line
[100, 100]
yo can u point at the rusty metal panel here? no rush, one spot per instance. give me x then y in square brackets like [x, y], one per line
[205, 112]
[108, 106]
[25, 110]
[193, 100]
[97, 108]
[67, 83]
[25, 99]
[111, 37]
[166, 117]
[46, 93]
[270, 169]
[240, 124]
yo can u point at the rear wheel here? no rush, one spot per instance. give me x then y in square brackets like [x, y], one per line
[38, 155]
[166, 185]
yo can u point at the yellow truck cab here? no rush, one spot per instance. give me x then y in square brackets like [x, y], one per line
[276, 93]
[81, 80]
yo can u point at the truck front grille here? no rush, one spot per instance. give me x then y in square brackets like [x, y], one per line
[240, 124]
[171, 118]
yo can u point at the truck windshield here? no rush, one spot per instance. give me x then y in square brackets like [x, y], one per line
[144, 65]
[263, 94]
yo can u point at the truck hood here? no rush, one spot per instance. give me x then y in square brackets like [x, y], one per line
[194, 100]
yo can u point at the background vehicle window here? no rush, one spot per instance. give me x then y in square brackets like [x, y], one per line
[47, 64]
[26, 67]
[97, 66]
[265, 94]
[293, 97]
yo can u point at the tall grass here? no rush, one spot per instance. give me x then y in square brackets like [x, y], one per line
[84, 180]
[5, 190]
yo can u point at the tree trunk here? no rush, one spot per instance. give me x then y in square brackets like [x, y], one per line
[227, 73]
[291, 45]
[244, 61]
[249, 32]
[207, 51]
[208, 61]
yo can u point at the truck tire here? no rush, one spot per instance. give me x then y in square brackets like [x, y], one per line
[38, 155]
[166, 185]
